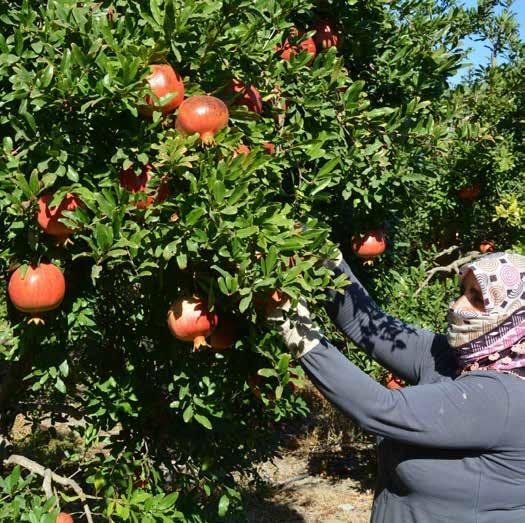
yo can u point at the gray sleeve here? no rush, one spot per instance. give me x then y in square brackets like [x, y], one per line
[412, 354]
[467, 413]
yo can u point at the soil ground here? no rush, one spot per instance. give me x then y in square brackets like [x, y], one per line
[324, 473]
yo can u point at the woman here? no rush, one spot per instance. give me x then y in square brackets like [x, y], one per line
[452, 448]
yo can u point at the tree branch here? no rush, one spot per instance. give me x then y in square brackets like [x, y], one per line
[49, 476]
[451, 267]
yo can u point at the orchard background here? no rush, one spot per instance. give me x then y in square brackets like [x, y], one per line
[368, 135]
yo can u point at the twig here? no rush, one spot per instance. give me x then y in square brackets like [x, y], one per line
[451, 267]
[36, 468]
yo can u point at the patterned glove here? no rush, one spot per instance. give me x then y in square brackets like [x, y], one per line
[296, 327]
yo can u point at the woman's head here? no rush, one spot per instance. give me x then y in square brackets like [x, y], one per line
[487, 323]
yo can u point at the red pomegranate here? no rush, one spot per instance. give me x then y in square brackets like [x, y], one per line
[41, 289]
[247, 95]
[288, 50]
[393, 382]
[486, 246]
[64, 517]
[48, 218]
[269, 147]
[163, 81]
[225, 334]
[190, 320]
[469, 192]
[138, 183]
[242, 149]
[205, 115]
[369, 244]
[325, 37]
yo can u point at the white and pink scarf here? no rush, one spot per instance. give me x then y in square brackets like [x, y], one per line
[493, 339]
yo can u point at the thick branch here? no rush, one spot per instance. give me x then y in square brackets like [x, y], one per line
[38, 469]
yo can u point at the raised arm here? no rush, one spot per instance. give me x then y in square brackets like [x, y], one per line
[416, 355]
[448, 415]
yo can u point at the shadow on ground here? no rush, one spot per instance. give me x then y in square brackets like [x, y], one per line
[350, 462]
[258, 509]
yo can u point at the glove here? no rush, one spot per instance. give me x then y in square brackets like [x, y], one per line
[335, 263]
[296, 327]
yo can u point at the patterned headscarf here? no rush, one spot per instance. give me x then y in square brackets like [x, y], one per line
[494, 339]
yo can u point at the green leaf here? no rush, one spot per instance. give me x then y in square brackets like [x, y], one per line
[64, 368]
[187, 415]
[60, 385]
[194, 215]
[103, 236]
[224, 504]
[182, 261]
[204, 421]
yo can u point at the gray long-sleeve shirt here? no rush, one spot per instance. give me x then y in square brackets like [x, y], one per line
[451, 449]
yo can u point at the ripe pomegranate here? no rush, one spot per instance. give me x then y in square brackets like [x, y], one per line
[393, 382]
[242, 149]
[288, 50]
[136, 183]
[64, 517]
[162, 81]
[247, 95]
[190, 320]
[325, 37]
[469, 192]
[225, 334]
[370, 244]
[269, 147]
[205, 115]
[48, 218]
[41, 289]
[486, 246]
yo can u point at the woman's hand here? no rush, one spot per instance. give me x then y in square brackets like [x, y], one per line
[296, 327]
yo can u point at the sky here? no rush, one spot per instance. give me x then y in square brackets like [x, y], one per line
[479, 54]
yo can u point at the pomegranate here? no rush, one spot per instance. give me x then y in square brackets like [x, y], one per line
[190, 320]
[163, 81]
[138, 183]
[205, 115]
[48, 218]
[393, 382]
[247, 95]
[41, 289]
[288, 50]
[269, 147]
[325, 36]
[242, 149]
[64, 517]
[224, 336]
[486, 246]
[370, 244]
[469, 192]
